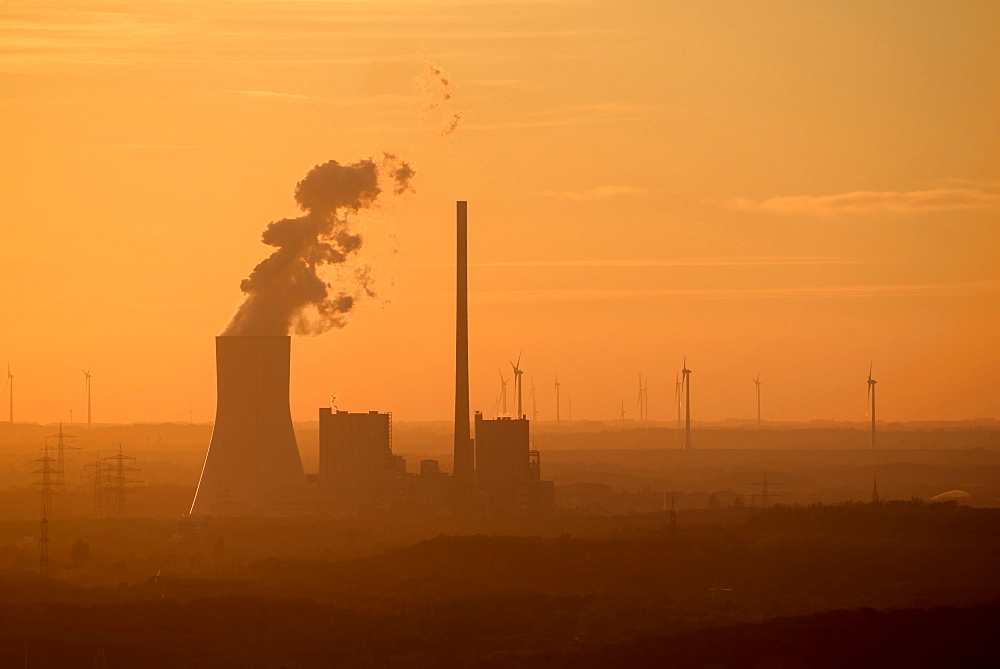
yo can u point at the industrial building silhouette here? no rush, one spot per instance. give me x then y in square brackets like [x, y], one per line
[495, 473]
[357, 468]
[253, 464]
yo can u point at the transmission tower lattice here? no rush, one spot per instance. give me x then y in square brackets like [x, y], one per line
[100, 478]
[43, 546]
[118, 481]
[47, 474]
[61, 448]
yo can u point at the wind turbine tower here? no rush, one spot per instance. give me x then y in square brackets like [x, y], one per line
[87, 376]
[757, 388]
[557, 399]
[623, 414]
[686, 381]
[677, 396]
[503, 394]
[534, 402]
[643, 399]
[517, 384]
[871, 401]
[639, 399]
[10, 383]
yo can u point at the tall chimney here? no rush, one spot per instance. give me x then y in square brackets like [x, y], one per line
[253, 464]
[464, 467]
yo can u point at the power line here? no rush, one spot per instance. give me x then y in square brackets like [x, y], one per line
[118, 481]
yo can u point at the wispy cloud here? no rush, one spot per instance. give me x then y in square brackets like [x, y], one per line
[554, 122]
[591, 194]
[906, 290]
[371, 100]
[271, 94]
[752, 261]
[874, 202]
[610, 108]
[147, 146]
[574, 115]
[514, 84]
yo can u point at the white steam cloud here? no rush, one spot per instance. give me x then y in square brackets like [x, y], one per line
[286, 293]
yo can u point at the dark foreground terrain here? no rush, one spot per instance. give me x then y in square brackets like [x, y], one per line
[241, 632]
[896, 584]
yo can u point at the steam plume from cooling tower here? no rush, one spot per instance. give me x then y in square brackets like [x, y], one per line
[286, 293]
[439, 89]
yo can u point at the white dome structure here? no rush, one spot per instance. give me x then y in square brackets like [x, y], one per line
[951, 495]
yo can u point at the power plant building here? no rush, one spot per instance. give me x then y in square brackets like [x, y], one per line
[499, 462]
[508, 471]
[430, 490]
[253, 464]
[357, 468]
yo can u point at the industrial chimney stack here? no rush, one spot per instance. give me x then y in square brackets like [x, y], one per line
[464, 468]
[253, 464]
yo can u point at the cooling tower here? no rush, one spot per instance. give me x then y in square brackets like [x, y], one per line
[253, 464]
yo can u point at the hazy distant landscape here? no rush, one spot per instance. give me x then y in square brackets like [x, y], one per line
[618, 470]
[804, 582]
[300, 299]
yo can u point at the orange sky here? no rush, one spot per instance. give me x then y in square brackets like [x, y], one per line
[798, 190]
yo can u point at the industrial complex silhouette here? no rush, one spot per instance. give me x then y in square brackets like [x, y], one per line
[253, 465]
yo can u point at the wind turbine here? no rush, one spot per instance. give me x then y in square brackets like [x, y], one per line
[677, 396]
[557, 399]
[686, 381]
[534, 403]
[642, 413]
[871, 401]
[503, 393]
[10, 382]
[517, 384]
[645, 398]
[623, 413]
[757, 388]
[87, 376]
